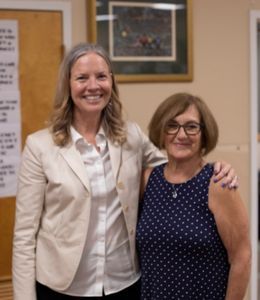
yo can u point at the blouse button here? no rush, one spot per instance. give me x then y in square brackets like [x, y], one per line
[120, 185]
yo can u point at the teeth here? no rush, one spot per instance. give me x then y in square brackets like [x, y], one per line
[96, 97]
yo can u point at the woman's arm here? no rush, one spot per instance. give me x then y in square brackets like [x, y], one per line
[29, 205]
[144, 179]
[232, 223]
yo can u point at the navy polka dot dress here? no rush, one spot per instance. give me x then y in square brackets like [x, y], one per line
[181, 253]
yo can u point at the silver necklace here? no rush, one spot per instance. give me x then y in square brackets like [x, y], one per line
[175, 191]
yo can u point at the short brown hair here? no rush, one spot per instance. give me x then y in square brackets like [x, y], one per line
[175, 105]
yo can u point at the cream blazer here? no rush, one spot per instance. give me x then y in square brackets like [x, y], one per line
[53, 206]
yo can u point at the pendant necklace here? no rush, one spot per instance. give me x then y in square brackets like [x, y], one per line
[175, 191]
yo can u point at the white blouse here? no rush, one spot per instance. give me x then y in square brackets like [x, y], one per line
[106, 261]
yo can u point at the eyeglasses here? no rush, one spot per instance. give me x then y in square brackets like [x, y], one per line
[190, 128]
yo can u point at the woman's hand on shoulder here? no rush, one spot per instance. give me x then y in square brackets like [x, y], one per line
[224, 173]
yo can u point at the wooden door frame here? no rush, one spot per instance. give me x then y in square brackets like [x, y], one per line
[64, 7]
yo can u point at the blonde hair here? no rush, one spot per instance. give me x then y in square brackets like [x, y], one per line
[61, 117]
[175, 105]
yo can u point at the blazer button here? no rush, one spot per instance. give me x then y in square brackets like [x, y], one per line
[132, 231]
[126, 208]
[120, 185]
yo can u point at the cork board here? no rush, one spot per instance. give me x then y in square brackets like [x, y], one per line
[40, 53]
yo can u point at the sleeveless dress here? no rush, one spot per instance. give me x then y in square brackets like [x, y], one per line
[181, 253]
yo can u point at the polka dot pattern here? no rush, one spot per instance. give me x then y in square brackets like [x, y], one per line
[181, 253]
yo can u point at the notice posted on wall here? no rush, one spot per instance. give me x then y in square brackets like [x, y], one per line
[10, 112]
[9, 109]
[9, 55]
[8, 74]
[8, 175]
[8, 37]
[9, 160]
[10, 142]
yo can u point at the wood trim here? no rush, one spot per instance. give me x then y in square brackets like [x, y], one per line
[6, 289]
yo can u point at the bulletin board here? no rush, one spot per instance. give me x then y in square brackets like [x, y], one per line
[40, 53]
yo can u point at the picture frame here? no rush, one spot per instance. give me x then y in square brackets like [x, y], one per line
[147, 41]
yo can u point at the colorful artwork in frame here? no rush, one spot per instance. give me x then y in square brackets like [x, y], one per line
[147, 41]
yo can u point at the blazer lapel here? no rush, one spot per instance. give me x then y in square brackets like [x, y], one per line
[115, 152]
[74, 160]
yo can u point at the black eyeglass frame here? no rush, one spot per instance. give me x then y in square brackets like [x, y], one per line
[168, 128]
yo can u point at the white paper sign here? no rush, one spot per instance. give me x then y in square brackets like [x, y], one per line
[8, 37]
[9, 108]
[10, 141]
[10, 120]
[8, 175]
[8, 73]
[9, 55]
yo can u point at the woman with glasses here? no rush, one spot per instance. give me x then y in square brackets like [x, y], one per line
[192, 234]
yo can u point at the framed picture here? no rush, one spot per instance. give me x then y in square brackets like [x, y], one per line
[148, 40]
